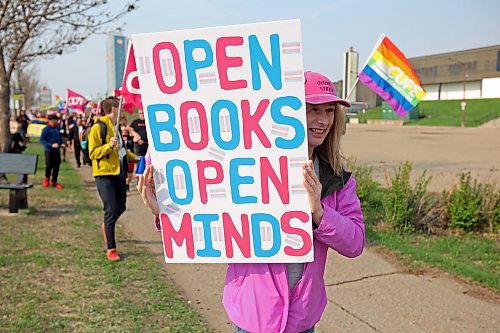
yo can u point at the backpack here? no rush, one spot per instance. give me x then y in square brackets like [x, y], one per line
[84, 137]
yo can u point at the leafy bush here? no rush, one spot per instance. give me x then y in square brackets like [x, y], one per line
[368, 190]
[490, 209]
[431, 215]
[404, 203]
[465, 204]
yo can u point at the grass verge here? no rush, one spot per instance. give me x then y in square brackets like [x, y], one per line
[54, 277]
[447, 113]
[471, 257]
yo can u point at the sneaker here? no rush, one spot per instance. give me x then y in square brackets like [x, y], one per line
[112, 255]
[57, 186]
[46, 182]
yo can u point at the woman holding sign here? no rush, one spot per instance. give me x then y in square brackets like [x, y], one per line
[292, 297]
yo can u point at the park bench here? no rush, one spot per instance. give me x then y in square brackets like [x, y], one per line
[22, 165]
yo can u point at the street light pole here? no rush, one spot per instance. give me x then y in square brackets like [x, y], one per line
[463, 104]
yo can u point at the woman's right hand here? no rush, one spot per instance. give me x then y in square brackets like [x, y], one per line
[147, 190]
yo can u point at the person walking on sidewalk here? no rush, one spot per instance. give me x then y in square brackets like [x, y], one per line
[291, 298]
[138, 131]
[75, 132]
[52, 142]
[108, 171]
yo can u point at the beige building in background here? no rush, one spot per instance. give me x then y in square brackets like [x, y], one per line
[462, 75]
[468, 74]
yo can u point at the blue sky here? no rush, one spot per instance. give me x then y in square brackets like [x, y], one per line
[329, 28]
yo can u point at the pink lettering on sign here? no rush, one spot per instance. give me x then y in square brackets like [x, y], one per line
[251, 123]
[203, 180]
[267, 173]
[231, 234]
[184, 234]
[177, 67]
[203, 124]
[287, 228]
[224, 62]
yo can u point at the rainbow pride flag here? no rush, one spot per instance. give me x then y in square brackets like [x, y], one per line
[389, 74]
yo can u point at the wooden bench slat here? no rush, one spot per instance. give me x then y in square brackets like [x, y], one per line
[15, 186]
[21, 165]
[18, 163]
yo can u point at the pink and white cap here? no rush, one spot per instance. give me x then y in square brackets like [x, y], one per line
[319, 90]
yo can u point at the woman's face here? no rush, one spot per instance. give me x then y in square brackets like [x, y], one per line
[319, 121]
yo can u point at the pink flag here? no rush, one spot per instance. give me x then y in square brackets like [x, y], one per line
[76, 101]
[130, 85]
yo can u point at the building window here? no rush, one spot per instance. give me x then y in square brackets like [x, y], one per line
[498, 61]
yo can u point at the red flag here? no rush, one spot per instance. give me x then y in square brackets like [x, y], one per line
[130, 85]
[76, 101]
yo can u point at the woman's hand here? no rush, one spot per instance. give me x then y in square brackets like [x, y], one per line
[147, 190]
[313, 187]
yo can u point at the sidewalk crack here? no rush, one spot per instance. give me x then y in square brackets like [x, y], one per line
[357, 317]
[362, 278]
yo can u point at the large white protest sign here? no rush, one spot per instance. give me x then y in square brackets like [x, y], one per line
[225, 116]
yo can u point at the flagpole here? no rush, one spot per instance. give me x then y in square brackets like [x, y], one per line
[121, 96]
[67, 97]
[352, 89]
[117, 125]
[381, 38]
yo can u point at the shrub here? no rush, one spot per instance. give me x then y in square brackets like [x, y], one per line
[404, 203]
[489, 209]
[431, 215]
[368, 190]
[465, 204]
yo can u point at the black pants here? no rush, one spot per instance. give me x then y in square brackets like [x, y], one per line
[86, 157]
[52, 163]
[77, 149]
[113, 193]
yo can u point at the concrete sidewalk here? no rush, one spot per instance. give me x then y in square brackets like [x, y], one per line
[366, 294]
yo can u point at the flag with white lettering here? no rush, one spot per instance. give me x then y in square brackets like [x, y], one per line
[390, 75]
[76, 101]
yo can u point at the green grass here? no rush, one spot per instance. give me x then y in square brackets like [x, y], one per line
[448, 113]
[54, 276]
[471, 257]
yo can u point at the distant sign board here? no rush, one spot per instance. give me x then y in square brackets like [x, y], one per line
[35, 130]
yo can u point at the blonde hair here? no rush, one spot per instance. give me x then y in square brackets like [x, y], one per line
[330, 149]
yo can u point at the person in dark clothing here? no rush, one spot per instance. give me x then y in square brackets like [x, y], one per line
[52, 142]
[74, 139]
[24, 121]
[63, 131]
[17, 141]
[139, 126]
[128, 143]
[17, 144]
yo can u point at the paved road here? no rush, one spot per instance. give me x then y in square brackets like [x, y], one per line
[442, 151]
[369, 293]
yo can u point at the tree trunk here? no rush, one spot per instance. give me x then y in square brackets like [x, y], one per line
[4, 112]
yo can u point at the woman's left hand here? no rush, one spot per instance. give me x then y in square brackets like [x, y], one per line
[313, 187]
[146, 188]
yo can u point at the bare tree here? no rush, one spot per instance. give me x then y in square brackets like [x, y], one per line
[28, 78]
[30, 29]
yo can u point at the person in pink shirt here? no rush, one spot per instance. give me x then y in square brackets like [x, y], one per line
[269, 298]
